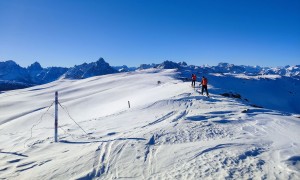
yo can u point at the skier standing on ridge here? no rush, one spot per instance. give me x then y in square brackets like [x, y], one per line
[204, 85]
[194, 78]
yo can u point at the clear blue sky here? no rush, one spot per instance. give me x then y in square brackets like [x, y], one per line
[132, 32]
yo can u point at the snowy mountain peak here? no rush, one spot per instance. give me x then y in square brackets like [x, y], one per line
[169, 65]
[10, 63]
[146, 66]
[164, 65]
[101, 61]
[36, 66]
[86, 70]
[124, 68]
[10, 70]
[13, 76]
[223, 64]
[182, 63]
[9, 66]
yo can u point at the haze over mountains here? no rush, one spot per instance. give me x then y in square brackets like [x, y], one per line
[13, 76]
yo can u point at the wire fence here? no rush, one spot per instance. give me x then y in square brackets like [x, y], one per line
[65, 109]
[38, 122]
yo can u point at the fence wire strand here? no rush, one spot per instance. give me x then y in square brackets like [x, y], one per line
[38, 122]
[66, 110]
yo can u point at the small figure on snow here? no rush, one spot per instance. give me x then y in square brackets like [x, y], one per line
[194, 78]
[204, 85]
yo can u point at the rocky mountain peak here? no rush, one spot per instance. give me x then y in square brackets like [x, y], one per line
[36, 66]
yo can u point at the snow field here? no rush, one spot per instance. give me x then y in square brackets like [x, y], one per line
[170, 132]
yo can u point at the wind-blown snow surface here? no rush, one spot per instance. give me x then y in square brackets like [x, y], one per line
[170, 132]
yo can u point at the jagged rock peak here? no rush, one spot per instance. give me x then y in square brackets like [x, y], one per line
[101, 60]
[35, 66]
[225, 65]
[86, 70]
[183, 63]
[10, 63]
[169, 65]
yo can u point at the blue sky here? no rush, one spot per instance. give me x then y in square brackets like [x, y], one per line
[132, 32]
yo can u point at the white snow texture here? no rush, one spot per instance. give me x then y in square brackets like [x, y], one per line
[170, 131]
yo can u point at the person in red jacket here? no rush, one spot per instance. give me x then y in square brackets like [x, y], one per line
[194, 78]
[204, 85]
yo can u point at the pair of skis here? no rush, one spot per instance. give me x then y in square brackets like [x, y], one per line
[199, 91]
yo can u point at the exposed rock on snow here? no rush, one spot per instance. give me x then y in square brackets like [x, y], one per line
[233, 95]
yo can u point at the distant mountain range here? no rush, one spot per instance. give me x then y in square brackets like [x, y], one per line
[13, 76]
[289, 71]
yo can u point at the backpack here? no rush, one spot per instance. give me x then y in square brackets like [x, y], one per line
[194, 77]
[204, 81]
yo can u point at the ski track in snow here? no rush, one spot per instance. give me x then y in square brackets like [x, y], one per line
[170, 132]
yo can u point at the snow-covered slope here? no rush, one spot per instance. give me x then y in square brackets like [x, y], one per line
[170, 132]
[269, 91]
